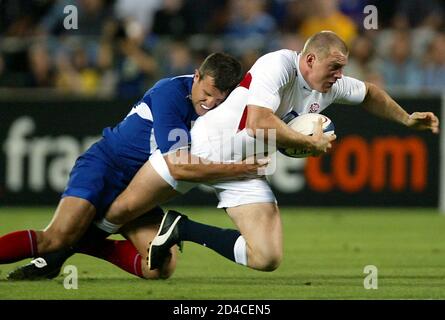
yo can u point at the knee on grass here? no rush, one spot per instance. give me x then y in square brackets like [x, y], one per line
[157, 274]
[268, 262]
[163, 273]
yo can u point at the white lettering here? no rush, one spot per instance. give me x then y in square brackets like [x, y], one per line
[39, 148]
[71, 280]
[371, 280]
[71, 20]
[15, 149]
[48, 159]
[190, 310]
[371, 20]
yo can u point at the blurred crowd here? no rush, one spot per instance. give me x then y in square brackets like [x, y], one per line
[121, 47]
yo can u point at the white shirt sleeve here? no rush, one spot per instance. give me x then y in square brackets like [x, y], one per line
[348, 90]
[269, 74]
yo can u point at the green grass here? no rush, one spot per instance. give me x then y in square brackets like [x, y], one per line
[325, 251]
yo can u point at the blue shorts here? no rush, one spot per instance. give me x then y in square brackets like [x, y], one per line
[98, 178]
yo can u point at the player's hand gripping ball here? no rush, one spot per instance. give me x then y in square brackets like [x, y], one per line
[306, 124]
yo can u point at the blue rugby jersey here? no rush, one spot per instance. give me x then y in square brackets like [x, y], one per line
[163, 108]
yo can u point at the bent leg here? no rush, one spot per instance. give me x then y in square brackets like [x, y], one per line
[257, 243]
[71, 219]
[260, 226]
[146, 190]
[141, 232]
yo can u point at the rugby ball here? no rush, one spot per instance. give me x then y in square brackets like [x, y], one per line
[306, 124]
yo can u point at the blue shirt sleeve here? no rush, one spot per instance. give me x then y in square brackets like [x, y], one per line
[170, 107]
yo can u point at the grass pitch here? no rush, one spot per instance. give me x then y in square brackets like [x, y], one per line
[325, 253]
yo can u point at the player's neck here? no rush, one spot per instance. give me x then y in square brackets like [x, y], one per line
[304, 71]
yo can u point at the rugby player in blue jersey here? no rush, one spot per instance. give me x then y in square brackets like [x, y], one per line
[106, 168]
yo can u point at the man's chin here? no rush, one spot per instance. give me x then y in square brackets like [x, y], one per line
[202, 111]
[324, 90]
[199, 111]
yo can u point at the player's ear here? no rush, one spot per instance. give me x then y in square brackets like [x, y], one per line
[310, 59]
[196, 77]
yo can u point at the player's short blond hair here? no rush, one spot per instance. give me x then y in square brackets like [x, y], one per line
[323, 43]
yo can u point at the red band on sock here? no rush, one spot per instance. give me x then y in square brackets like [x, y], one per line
[18, 245]
[138, 266]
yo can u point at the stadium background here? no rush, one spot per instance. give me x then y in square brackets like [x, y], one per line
[59, 88]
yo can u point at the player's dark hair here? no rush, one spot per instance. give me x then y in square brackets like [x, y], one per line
[224, 69]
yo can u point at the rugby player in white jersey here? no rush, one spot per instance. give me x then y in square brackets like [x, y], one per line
[278, 83]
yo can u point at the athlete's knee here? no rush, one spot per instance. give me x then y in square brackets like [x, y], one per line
[157, 274]
[269, 264]
[269, 261]
[150, 275]
[273, 262]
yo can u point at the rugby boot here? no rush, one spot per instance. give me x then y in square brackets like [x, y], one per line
[37, 269]
[168, 236]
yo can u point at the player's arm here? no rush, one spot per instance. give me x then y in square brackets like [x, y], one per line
[173, 142]
[262, 119]
[185, 166]
[264, 99]
[172, 134]
[379, 103]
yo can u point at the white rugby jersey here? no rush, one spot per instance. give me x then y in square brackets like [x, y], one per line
[277, 83]
[274, 82]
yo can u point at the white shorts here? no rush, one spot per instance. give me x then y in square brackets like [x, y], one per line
[238, 192]
[231, 193]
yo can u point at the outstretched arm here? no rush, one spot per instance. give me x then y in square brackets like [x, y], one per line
[379, 103]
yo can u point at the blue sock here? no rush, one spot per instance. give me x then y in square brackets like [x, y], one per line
[220, 240]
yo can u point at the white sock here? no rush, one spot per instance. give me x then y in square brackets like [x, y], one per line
[107, 226]
[240, 251]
